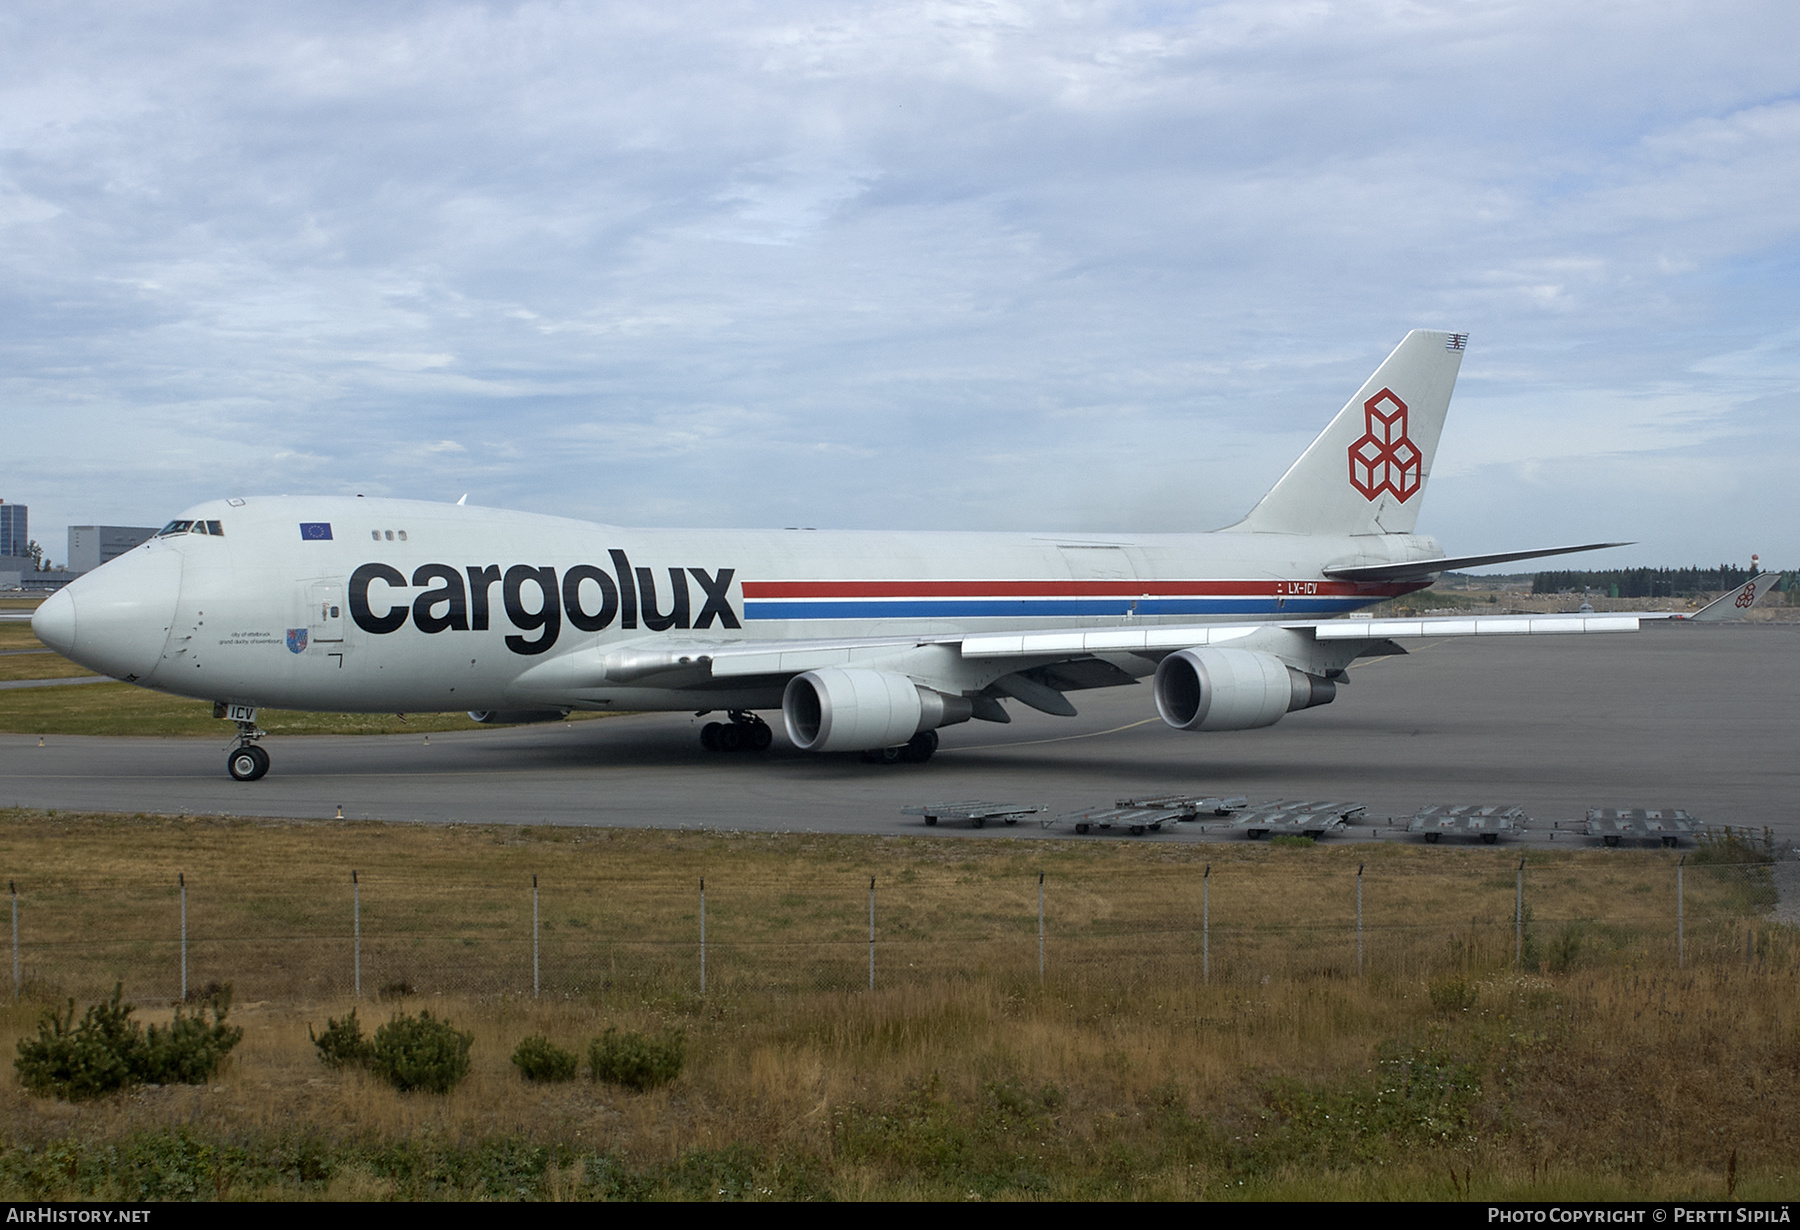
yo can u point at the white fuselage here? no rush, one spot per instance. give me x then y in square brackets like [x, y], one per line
[348, 604]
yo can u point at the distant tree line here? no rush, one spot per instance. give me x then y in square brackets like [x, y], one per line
[1644, 582]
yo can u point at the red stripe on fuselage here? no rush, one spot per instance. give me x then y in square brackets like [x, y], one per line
[1122, 587]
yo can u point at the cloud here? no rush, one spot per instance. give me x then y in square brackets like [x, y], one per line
[938, 265]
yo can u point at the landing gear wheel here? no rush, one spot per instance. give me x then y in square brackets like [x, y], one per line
[247, 763]
[745, 732]
[920, 747]
[883, 755]
[930, 821]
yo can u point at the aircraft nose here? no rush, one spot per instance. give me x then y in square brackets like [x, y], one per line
[115, 620]
[54, 622]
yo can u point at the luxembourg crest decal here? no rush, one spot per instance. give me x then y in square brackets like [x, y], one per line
[296, 640]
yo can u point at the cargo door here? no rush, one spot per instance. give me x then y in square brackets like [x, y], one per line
[325, 620]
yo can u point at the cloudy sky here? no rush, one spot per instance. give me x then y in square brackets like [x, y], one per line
[931, 265]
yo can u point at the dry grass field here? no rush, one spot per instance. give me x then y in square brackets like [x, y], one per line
[1139, 1067]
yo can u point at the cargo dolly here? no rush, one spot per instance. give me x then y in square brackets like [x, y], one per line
[1191, 806]
[1135, 820]
[1489, 823]
[1667, 824]
[975, 811]
[1295, 819]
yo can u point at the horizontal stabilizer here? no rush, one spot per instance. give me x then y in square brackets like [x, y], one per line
[1423, 569]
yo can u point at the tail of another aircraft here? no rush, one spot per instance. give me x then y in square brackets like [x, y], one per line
[1366, 472]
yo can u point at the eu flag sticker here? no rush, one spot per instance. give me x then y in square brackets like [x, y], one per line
[315, 531]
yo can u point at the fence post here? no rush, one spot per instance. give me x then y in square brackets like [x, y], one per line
[1206, 926]
[1519, 920]
[703, 935]
[1040, 928]
[534, 938]
[181, 879]
[13, 887]
[1680, 919]
[871, 933]
[356, 931]
[1359, 931]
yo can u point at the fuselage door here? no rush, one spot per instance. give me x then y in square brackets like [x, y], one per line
[326, 604]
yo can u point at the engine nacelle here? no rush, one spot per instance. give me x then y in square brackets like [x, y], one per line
[516, 717]
[835, 709]
[1233, 689]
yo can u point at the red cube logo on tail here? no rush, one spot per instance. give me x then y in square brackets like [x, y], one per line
[1384, 459]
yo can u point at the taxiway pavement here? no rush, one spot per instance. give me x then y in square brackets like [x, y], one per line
[1677, 716]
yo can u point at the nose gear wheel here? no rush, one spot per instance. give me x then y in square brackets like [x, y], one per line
[247, 762]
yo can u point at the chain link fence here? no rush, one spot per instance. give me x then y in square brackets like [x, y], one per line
[330, 936]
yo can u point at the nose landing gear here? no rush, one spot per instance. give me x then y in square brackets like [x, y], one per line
[247, 761]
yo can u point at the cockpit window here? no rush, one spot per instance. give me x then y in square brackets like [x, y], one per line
[214, 528]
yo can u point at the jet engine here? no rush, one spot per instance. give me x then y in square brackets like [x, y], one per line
[834, 709]
[1233, 689]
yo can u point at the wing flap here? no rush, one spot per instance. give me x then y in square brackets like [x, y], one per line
[1102, 640]
[1485, 625]
[1490, 625]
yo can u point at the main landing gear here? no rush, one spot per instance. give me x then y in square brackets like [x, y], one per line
[247, 761]
[745, 732]
[916, 750]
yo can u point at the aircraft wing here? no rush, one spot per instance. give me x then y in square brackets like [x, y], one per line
[1162, 639]
[696, 662]
[699, 663]
[1422, 569]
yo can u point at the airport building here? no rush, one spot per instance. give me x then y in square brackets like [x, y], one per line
[93, 545]
[20, 572]
[15, 528]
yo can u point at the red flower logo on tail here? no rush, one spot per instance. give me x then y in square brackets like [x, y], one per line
[1384, 459]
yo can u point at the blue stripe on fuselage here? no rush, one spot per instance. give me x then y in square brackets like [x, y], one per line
[1020, 608]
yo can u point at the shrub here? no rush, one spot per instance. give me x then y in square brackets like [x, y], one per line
[420, 1052]
[188, 1051]
[108, 1051]
[342, 1045]
[637, 1061]
[1452, 994]
[539, 1059]
[1734, 846]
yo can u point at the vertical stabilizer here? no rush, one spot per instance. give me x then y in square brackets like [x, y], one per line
[1366, 473]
